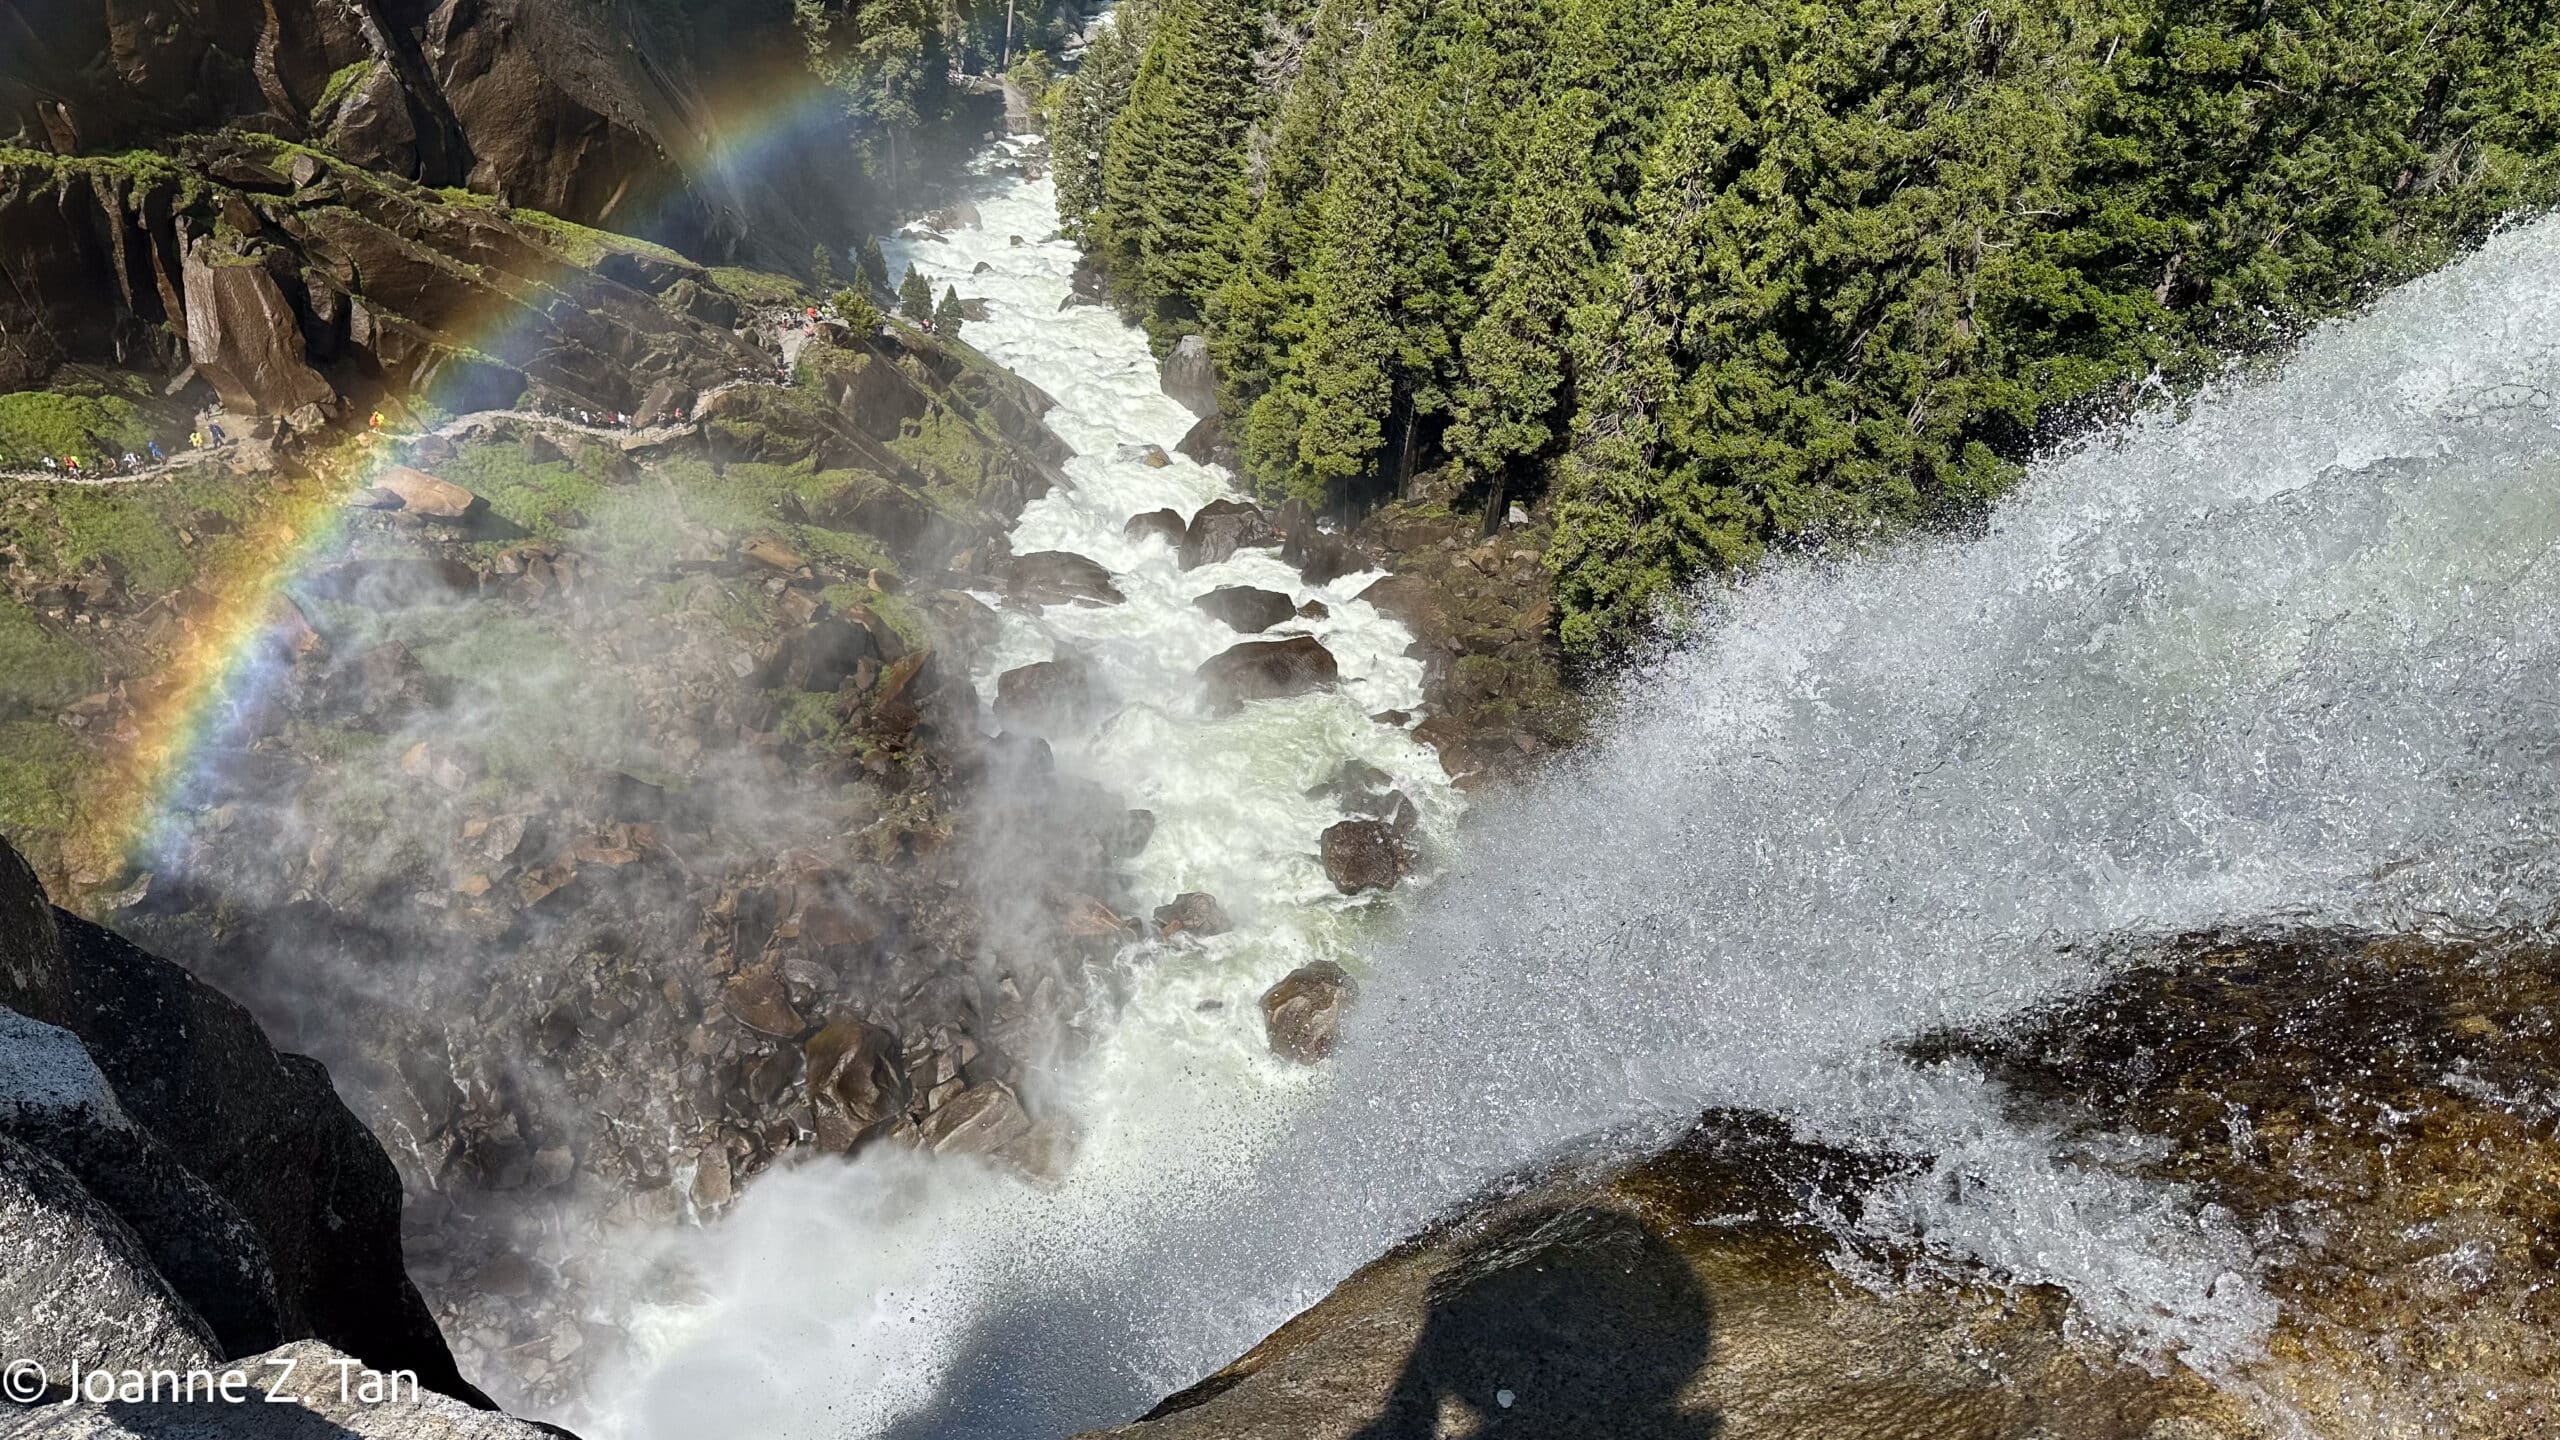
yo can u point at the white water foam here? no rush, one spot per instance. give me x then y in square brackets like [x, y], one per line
[840, 1296]
[2295, 653]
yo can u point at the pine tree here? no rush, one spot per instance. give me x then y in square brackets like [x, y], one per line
[1732, 277]
[857, 312]
[947, 315]
[1335, 403]
[822, 268]
[1576, 169]
[1170, 171]
[889, 62]
[1081, 118]
[871, 269]
[1252, 336]
[915, 297]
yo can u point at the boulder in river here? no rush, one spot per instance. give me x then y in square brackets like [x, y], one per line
[1206, 442]
[1267, 670]
[1302, 1015]
[1165, 525]
[1058, 577]
[1193, 912]
[985, 1118]
[1246, 607]
[1189, 377]
[1365, 855]
[1049, 698]
[1222, 527]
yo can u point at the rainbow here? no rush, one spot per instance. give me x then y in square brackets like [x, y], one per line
[236, 635]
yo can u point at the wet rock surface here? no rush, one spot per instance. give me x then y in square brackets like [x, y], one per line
[1599, 1302]
[1267, 670]
[1365, 855]
[1247, 609]
[1220, 528]
[2371, 1110]
[210, 1195]
[2377, 1112]
[1302, 1015]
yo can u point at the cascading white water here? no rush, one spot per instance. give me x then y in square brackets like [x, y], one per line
[2294, 653]
[861, 1279]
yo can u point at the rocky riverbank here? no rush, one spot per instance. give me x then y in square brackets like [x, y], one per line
[610, 807]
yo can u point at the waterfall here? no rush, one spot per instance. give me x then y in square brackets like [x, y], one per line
[2289, 652]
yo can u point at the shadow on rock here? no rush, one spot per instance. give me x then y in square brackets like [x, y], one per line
[1562, 1323]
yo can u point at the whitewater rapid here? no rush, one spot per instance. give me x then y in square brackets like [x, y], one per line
[841, 1298]
[2291, 653]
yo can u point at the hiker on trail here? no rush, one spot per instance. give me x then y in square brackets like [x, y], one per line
[218, 437]
[376, 422]
[49, 465]
[71, 463]
[195, 439]
[131, 460]
[157, 455]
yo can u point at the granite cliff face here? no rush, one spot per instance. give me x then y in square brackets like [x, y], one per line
[603, 113]
[295, 284]
[173, 1189]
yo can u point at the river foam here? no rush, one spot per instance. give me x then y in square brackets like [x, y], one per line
[2291, 653]
[840, 1297]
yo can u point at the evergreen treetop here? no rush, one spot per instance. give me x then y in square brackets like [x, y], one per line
[915, 297]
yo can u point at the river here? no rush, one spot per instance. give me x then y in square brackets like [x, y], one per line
[2290, 653]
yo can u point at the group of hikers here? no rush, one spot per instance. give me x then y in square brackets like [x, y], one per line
[108, 462]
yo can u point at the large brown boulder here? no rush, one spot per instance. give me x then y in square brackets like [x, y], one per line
[1052, 699]
[1221, 528]
[1302, 1015]
[1246, 608]
[1365, 855]
[1165, 525]
[1058, 577]
[416, 493]
[1267, 670]
[244, 338]
[858, 1085]
[1193, 912]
